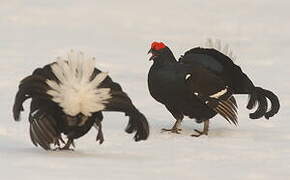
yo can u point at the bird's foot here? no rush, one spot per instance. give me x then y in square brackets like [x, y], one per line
[172, 130]
[63, 149]
[66, 147]
[199, 133]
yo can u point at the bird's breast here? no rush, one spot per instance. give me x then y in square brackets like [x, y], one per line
[165, 86]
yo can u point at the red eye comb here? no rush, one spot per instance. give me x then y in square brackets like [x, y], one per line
[157, 45]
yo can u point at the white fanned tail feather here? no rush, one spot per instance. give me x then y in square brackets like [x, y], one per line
[223, 48]
[77, 92]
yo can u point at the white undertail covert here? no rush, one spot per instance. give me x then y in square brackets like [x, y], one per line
[223, 48]
[77, 92]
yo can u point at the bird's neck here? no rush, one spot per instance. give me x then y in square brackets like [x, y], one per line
[164, 59]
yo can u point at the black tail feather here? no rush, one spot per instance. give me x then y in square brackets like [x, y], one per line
[252, 100]
[275, 105]
[259, 96]
[138, 123]
[262, 107]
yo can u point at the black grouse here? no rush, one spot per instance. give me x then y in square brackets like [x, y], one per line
[68, 98]
[201, 84]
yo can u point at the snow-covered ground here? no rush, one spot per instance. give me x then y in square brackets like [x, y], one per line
[118, 34]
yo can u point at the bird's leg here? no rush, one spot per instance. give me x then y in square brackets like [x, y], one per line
[57, 143]
[67, 145]
[205, 129]
[175, 128]
[100, 136]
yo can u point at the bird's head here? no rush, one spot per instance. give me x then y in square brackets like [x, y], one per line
[161, 53]
[156, 49]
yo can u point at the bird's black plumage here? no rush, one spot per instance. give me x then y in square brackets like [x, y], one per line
[49, 121]
[224, 67]
[201, 84]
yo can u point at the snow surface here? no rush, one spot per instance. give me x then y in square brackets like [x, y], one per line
[118, 34]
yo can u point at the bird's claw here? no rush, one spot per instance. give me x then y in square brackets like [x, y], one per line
[199, 133]
[172, 130]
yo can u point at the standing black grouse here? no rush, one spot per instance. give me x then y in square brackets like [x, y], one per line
[201, 84]
[68, 97]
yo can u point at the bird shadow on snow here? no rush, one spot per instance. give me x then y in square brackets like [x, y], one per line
[13, 147]
[219, 130]
[224, 132]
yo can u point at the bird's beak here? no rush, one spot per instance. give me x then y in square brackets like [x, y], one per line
[150, 51]
[152, 57]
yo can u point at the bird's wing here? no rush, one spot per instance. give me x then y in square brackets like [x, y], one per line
[221, 65]
[43, 128]
[120, 101]
[213, 91]
[32, 86]
[211, 59]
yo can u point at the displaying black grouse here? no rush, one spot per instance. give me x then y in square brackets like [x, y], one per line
[201, 84]
[68, 98]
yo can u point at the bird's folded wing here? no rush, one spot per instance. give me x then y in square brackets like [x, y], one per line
[213, 92]
[208, 58]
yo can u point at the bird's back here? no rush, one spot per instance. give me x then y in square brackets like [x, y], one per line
[221, 65]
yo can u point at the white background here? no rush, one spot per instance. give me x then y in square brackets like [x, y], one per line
[118, 33]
